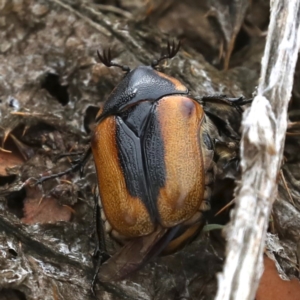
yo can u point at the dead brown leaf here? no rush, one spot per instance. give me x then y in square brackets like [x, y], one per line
[9, 160]
[272, 287]
[43, 210]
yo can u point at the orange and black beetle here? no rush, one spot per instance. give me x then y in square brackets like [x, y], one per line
[153, 157]
[153, 147]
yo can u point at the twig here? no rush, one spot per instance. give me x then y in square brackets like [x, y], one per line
[113, 9]
[286, 187]
[4, 150]
[225, 207]
[264, 126]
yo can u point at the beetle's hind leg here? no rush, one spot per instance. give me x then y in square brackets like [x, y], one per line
[100, 252]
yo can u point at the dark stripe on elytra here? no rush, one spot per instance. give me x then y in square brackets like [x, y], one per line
[142, 159]
[132, 164]
[154, 157]
[130, 157]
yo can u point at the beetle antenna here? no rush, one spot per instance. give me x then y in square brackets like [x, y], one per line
[172, 50]
[106, 59]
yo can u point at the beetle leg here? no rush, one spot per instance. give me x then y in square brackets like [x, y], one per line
[100, 252]
[79, 165]
[235, 102]
[98, 266]
[68, 154]
[209, 181]
[100, 236]
[239, 101]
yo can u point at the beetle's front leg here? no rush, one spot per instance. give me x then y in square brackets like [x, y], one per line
[235, 102]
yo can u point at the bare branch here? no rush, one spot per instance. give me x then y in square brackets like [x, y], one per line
[264, 126]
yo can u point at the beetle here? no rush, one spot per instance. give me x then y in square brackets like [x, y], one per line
[154, 161]
[153, 149]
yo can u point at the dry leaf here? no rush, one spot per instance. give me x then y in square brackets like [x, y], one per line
[43, 210]
[272, 287]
